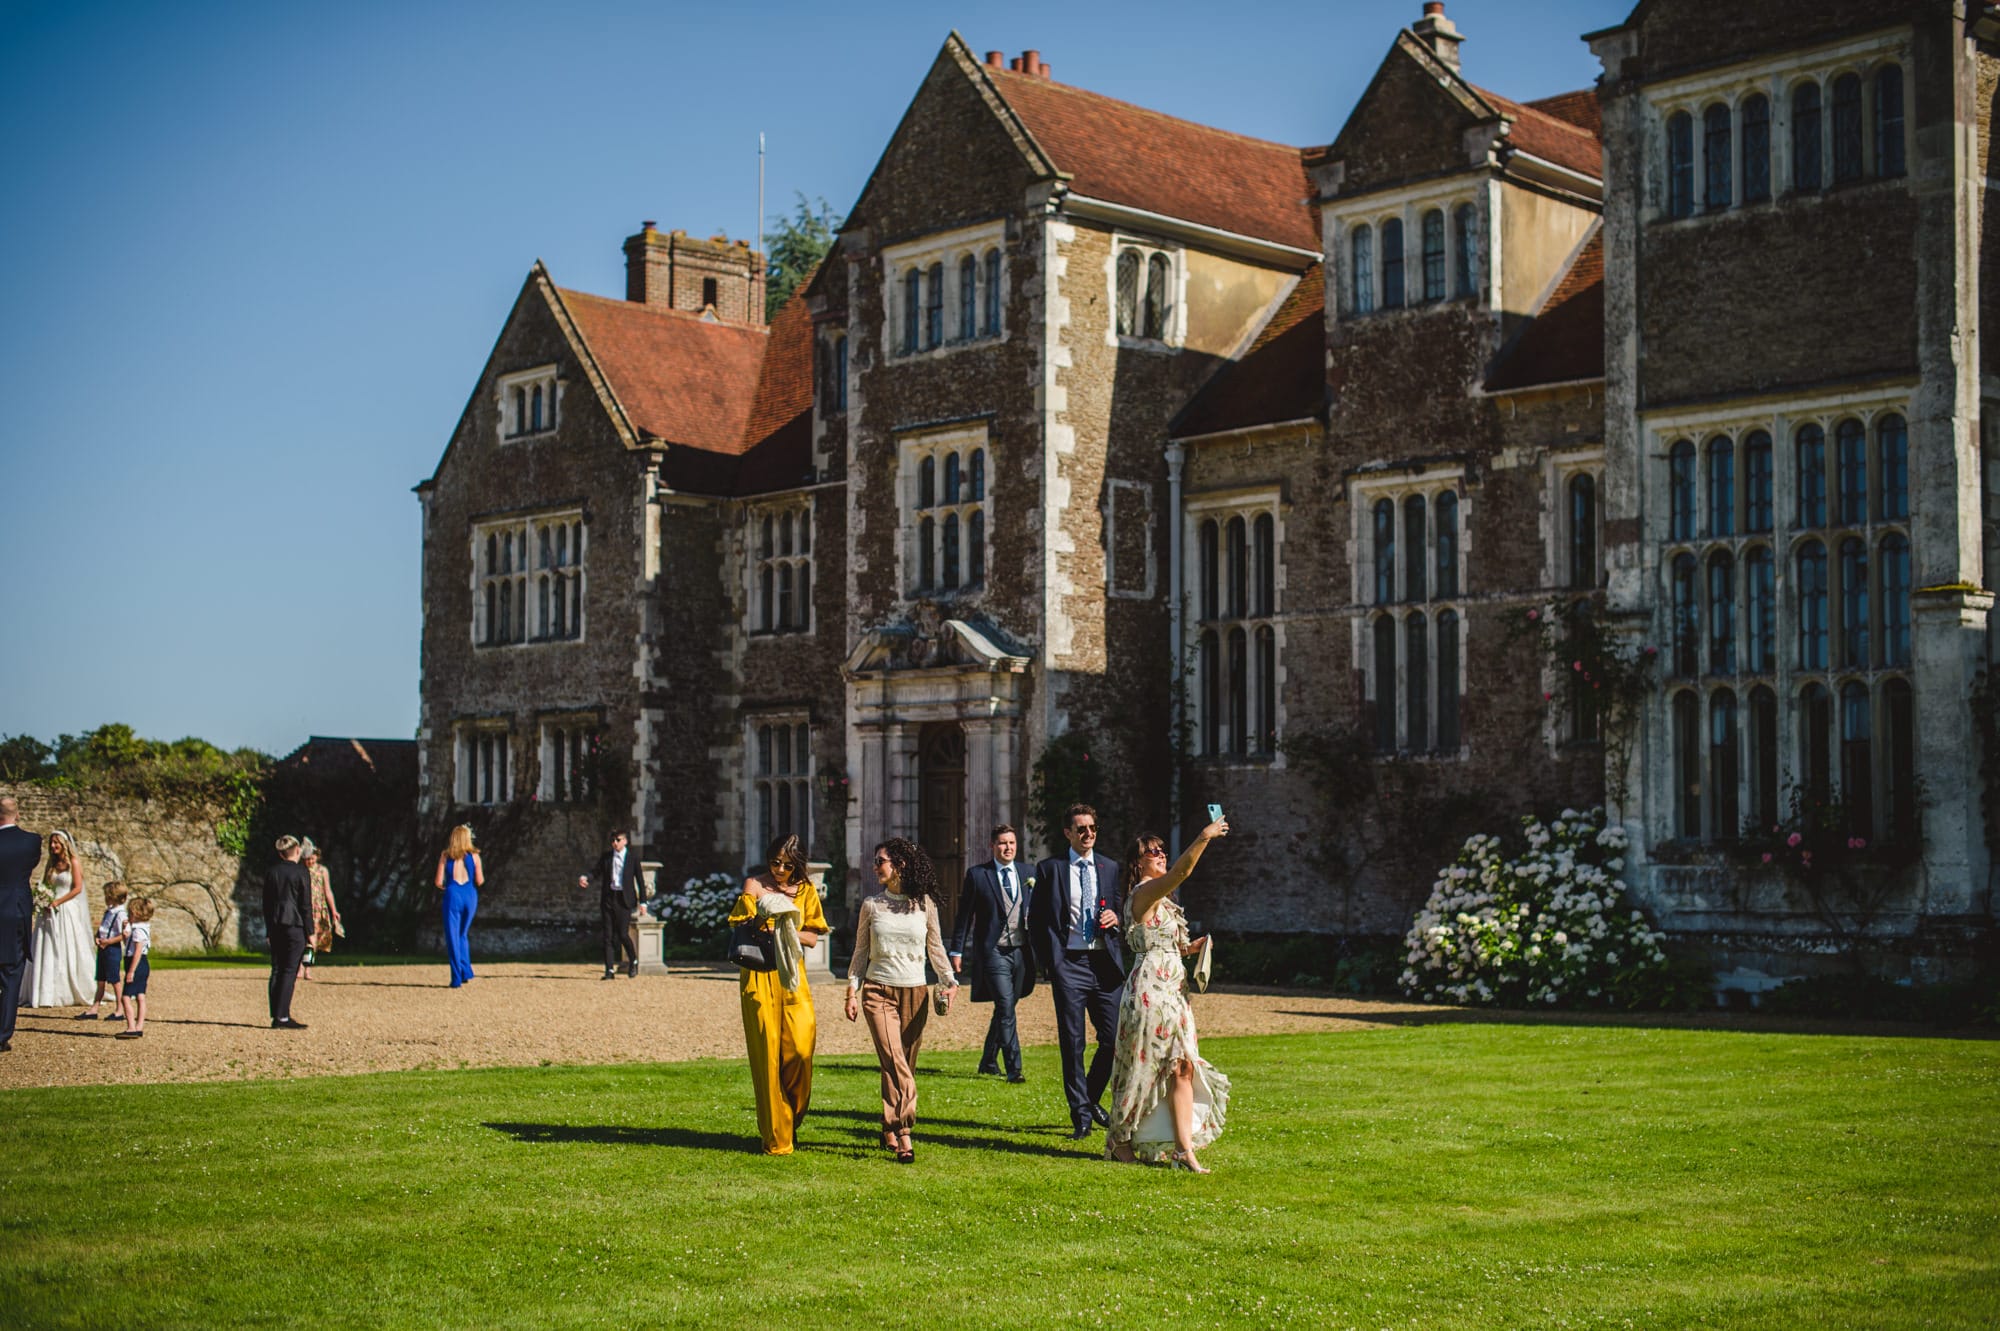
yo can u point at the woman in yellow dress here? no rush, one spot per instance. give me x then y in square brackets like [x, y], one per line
[778, 1023]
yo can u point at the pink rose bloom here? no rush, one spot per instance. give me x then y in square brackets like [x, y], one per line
[1793, 839]
[1767, 857]
[1534, 614]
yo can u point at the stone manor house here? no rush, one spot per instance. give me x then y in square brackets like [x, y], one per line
[1237, 466]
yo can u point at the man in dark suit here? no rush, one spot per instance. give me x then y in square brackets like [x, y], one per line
[617, 879]
[20, 852]
[288, 915]
[993, 912]
[1073, 914]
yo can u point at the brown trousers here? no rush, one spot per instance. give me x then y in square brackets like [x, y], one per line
[896, 1017]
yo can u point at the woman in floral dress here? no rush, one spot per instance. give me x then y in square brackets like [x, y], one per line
[326, 924]
[1166, 1101]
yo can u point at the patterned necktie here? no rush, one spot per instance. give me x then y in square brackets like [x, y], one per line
[1088, 903]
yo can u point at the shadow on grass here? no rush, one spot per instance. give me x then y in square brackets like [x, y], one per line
[862, 1141]
[692, 1139]
[1745, 1023]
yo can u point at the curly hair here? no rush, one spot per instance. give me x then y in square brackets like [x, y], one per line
[915, 876]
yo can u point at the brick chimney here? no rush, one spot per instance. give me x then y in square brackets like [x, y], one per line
[674, 271]
[1028, 62]
[1439, 33]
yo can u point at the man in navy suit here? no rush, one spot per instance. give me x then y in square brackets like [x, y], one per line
[20, 852]
[1073, 917]
[993, 911]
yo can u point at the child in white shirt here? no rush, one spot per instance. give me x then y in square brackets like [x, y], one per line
[138, 943]
[111, 932]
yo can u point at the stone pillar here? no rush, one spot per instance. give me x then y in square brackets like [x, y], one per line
[1950, 633]
[652, 934]
[819, 957]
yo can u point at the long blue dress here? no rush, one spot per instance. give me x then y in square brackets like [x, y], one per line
[461, 899]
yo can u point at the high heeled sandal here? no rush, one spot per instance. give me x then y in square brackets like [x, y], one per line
[1179, 1160]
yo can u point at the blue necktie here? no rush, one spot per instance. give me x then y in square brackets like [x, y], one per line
[1089, 904]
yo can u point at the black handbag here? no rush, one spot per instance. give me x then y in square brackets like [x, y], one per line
[752, 948]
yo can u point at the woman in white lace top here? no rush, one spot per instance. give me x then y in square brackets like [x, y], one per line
[898, 932]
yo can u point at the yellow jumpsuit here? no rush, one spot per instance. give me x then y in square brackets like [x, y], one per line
[779, 1028]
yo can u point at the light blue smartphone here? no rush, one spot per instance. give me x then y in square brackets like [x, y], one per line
[1215, 813]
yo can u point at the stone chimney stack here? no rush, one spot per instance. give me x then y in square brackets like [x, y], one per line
[1439, 33]
[674, 271]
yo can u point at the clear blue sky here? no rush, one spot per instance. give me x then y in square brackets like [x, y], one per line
[258, 254]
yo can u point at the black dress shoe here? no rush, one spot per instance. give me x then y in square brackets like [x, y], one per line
[989, 1072]
[609, 974]
[6, 1046]
[1016, 1078]
[632, 970]
[1100, 1116]
[1083, 1128]
[287, 1024]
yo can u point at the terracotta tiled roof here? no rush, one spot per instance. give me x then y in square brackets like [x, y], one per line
[684, 379]
[1566, 340]
[1550, 137]
[778, 443]
[1579, 108]
[1126, 154]
[1282, 377]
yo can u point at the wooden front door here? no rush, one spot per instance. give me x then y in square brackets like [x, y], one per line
[941, 809]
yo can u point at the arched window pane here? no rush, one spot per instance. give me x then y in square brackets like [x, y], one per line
[1447, 682]
[1846, 129]
[1721, 614]
[1465, 225]
[926, 554]
[1159, 295]
[1385, 551]
[1889, 120]
[1415, 551]
[1854, 603]
[1811, 454]
[934, 307]
[1433, 224]
[535, 411]
[785, 610]
[1687, 765]
[562, 607]
[1756, 149]
[1812, 606]
[951, 478]
[1416, 651]
[927, 483]
[1894, 463]
[1445, 509]
[992, 293]
[975, 547]
[1805, 137]
[1686, 612]
[805, 532]
[1583, 530]
[1895, 553]
[541, 607]
[1899, 739]
[1760, 592]
[802, 610]
[1680, 164]
[1206, 544]
[1267, 690]
[1362, 246]
[951, 550]
[1851, 450]
[913, 299]
[1816, 742]
[785, 534]
[1725, 816]
[1764, 756]
[1757, 482]
[767, 584]
[1265, 532]
[978, 482]
[1210, 665]
[1385, 684]
[1392, 264]
[1857, 759]
[968, 298]
[1239, 702]
[1128, 293]
[1721, 487]
[1239, 572]
[1680, 491]
[1716, 193]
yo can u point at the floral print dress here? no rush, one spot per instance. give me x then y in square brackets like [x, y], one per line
[1155, 1032]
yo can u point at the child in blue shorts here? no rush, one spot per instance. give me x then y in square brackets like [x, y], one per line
[110, 954]
[138, 943]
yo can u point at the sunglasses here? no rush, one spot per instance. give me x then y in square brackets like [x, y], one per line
[883, 859]
[1086, 830]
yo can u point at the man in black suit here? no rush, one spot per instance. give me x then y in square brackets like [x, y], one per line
[617, 878]
[1073, 914]
[288, 915]
[20, 852]
[993, 911]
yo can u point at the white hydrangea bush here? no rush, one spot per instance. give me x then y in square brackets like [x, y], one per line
[700, 908]
[1551, 924]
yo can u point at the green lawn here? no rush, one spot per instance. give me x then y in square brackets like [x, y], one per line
[1436, 1176]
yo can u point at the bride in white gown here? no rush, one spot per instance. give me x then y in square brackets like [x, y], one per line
[63, 972]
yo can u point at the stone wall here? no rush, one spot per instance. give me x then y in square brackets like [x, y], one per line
[159, 852]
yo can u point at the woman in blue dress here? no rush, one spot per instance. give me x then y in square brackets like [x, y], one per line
[459, 877]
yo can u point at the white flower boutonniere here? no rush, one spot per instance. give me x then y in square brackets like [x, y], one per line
[1029, 880]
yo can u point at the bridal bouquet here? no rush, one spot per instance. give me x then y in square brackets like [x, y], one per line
[45, 896]
[1542, 922]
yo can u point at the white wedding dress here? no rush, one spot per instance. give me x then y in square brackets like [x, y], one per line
[64, 970]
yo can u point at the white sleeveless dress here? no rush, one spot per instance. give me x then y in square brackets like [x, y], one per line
[64, 970]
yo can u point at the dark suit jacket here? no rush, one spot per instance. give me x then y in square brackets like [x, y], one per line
[627, 885]
[20, 852]
[288, 897]
[982, 915]
[1048, 906]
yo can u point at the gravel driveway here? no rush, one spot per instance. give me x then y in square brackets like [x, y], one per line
[211, 1024]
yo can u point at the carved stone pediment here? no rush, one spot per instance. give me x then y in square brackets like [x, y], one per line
[927, 640]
